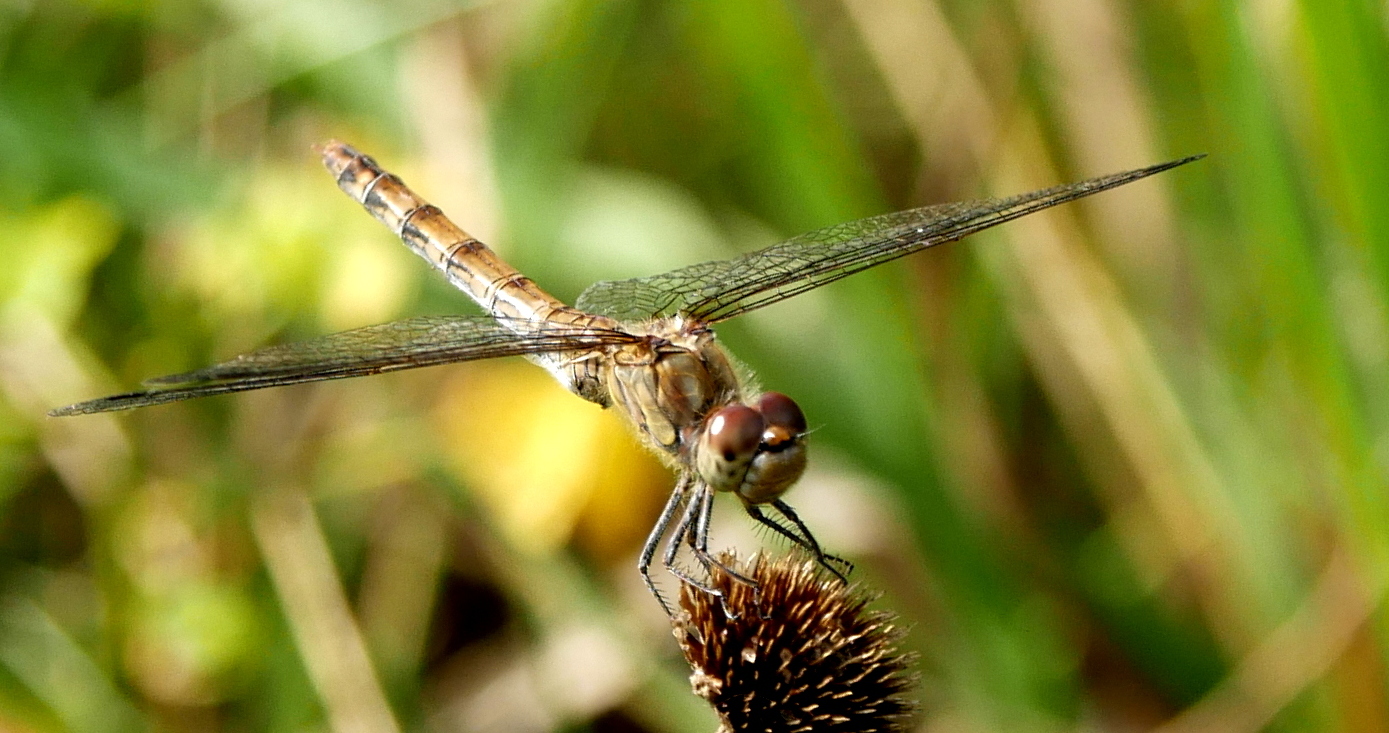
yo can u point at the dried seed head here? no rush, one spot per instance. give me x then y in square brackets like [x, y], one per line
[805, 656]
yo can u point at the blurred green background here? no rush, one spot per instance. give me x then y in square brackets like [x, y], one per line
[1119, 466]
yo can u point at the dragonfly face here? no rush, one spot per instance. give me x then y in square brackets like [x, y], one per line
[756, 452]
[643, 345]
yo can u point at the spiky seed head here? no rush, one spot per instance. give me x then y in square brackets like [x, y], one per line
[802, 655]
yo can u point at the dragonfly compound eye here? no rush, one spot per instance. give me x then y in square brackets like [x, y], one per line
[780, 458]
[731, 438]
[783, 421]
[734, 432]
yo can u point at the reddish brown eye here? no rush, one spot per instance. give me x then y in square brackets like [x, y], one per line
[782, 418]
[735, 431]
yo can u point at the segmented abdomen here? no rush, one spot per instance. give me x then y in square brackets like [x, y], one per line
[468, 263]
[517, 302]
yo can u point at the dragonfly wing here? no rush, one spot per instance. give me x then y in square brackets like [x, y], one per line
[719, 290]
[416, 342]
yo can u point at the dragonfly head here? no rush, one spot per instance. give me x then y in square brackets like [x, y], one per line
[756, 451]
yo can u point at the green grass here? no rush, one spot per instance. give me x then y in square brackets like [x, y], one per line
[1118, 465]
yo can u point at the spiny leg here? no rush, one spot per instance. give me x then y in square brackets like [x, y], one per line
[653, 541]
[804, 539]
[776, 525]
[699, 541]
[826, 559]
[677, 538]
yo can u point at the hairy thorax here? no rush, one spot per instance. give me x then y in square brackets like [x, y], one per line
[668, 383]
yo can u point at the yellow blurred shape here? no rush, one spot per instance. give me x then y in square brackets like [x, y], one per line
[192, 626]
[544, 463]
[367, 280]
[48, 255]
[293, 242]
[190, 645]
[266, 250]
[629, 487]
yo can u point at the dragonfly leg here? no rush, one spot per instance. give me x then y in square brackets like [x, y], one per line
[803, 538]
[653, 541]
[685, 532]
[699, 542]
[832, 563]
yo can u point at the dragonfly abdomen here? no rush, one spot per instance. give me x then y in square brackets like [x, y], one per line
[468, 263]
[513, 299]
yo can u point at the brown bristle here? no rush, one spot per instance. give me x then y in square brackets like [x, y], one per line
[804, 656]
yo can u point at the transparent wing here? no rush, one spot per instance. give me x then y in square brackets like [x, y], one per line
[719, 290]
[416, 342]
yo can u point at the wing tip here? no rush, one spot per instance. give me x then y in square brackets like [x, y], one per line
[1169, 165]
[116, 403]
[1114, 180]
[90, 407]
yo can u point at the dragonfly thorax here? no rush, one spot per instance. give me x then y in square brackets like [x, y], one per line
[669, 382]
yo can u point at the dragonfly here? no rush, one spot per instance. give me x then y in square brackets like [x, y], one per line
[644, 346]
